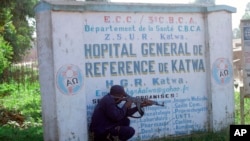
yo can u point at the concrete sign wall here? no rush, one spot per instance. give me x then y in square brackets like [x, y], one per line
[162, 52]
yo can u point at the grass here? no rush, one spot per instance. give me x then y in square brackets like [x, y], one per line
[237, 109]
[20, 115]
[20, 111]
[8, 133]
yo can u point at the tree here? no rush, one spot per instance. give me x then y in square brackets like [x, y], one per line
[247, 12]
[6, 26]
[14, 26]
[5, 54]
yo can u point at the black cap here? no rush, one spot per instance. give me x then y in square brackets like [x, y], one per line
[116, 90]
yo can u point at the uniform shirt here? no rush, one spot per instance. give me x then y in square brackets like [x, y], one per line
[107, 114]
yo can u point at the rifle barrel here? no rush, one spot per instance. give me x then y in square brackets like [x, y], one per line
[158, 104]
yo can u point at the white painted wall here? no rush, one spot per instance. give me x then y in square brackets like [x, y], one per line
[220, 47]
[46, 75]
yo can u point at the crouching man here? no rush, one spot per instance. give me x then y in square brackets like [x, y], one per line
[110, 121]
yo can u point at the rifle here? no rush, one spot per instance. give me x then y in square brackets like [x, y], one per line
[138, 101]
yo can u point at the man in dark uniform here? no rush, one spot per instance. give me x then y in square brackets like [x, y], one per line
[109, 120]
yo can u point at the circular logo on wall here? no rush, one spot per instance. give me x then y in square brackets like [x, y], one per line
[222, 71]
[69, 79]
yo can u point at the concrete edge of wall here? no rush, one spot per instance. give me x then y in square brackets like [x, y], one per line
[80, 6]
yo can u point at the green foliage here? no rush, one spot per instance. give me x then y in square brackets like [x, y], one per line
[5, 54]
[17, 134]
[246, 109]
[14, 26]
[26, 100]
[23, 98]
[20, 109]
[6, 89]
[6, 26]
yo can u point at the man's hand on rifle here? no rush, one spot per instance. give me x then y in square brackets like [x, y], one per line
[128, 103]
[119, 98]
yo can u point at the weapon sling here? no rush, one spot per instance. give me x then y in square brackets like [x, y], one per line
[139, 109]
